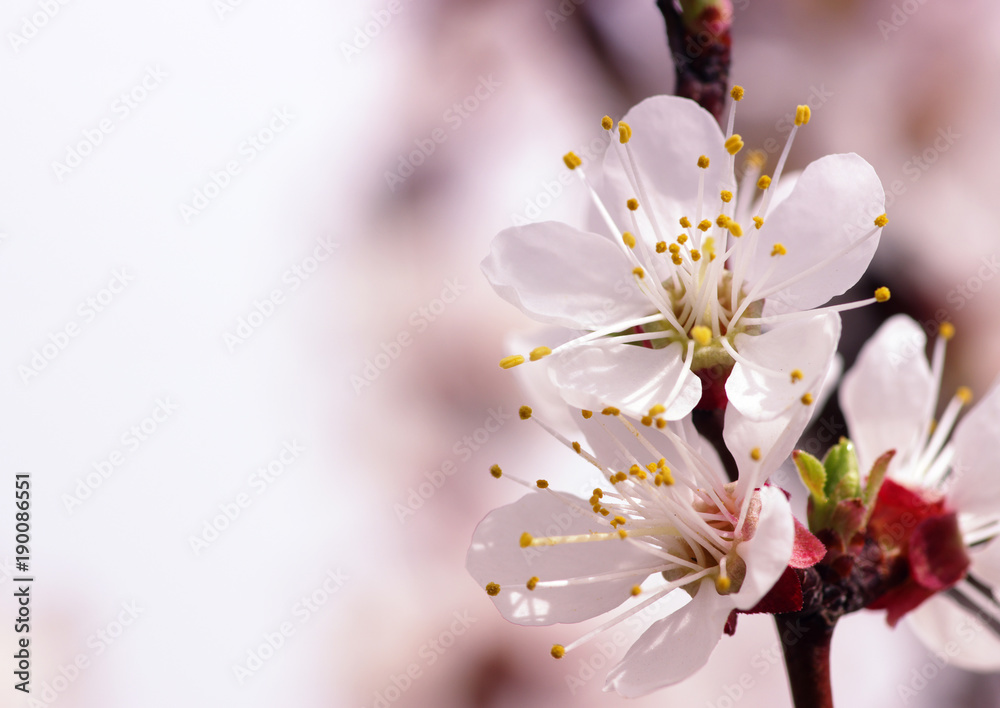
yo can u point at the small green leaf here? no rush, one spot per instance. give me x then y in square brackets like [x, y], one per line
[843, 481]
[812, 473]
[874, 482]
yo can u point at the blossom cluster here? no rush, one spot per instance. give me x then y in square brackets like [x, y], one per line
[702, 286]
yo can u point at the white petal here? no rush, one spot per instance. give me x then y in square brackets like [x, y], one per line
[673, 648]
[668, 136]
[808, 345]
[775, 438]
[888, 395]
[834, 204]
[562, 276]
[767, 553]
[975, 486]
[985, 564]
[631, 378]
[533, 380]
[952, 632]
[496, 556]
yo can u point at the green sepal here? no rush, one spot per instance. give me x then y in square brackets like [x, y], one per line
[843, 481]
[813, 474]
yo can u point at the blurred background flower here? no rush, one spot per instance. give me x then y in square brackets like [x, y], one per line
[259, 249]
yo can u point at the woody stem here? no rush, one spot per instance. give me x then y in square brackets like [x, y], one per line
[805, 641]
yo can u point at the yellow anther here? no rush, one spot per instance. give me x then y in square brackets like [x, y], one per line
[586, 414]
[735, 229]
[604, 512]
[576, 447]
[662, 463]
[532, 582]
[677, 260]
[737, 92]
[542, 484]
[526, 539]
[617, 521]
[722, 584]
[661, 423]
[496, 471]
[509, 362]
[656, 410]
[651, 467]
[806, 399]
[704, 224]
[632, 204]
[764, 182]
[594, 501]
[701, 335]
[722, 221]
[685, 222]
[622, 534]
[638, 272]
[756, 158]
[661, 246]
[524, 412]
[796, 375]
[667, 476]
[882, 294]
[628, 239]
[571, 160]
[597, 508]
[734, 144]
[802, 115]
[610, 410]
[755, 454]
[703, 162]
[674, 248]
[539, 352]
[635, 469]
[778, 250]
[881, 220]
[558, 651]
[758, 221]
[606, 122]
[682, 238]
[695, 254]
[964, 394]
[726, 195]
[646, 420]
[624, 132]
[598, 492]
[492, 589]
[947, 330]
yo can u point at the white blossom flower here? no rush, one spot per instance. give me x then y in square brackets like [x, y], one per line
[889, 399]
[695, 275]
[665, 520]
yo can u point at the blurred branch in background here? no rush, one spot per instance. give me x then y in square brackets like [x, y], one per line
[700, 45]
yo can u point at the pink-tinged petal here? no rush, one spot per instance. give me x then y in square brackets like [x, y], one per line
[496, 556]
[808, 550]
[559, 275]
[985, 564]
[975, 488]
[668, 136]
[628, 377]
[673, 648]
[952, 632]
[768, 551]
[833, 205]
[765, 389]
[888, 395]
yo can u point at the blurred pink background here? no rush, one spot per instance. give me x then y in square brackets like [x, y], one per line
[307, 349]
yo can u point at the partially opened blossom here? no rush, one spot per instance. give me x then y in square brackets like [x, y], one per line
[694, 278]
[663, 519]
[939, 509]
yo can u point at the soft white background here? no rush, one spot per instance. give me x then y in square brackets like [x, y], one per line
[366, 448]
